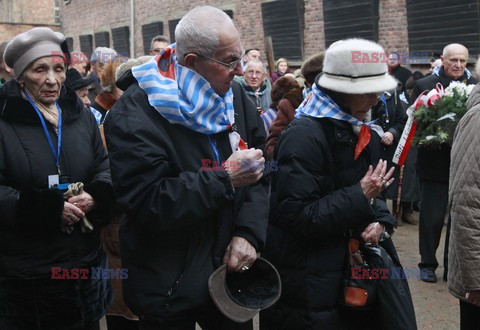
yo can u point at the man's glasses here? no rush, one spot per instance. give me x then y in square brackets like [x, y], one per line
[231, 66]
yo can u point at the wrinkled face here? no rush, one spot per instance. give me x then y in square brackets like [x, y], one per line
[282, 67]
[252, 55]
[157, 47]
[82, 94]
[254, 75]
[44, 79]
[229, 50]
[455, 62]
[360, 104]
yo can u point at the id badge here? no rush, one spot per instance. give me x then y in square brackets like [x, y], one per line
[64, 182]
[53, 181]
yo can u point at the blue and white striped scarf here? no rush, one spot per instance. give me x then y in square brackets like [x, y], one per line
[185, 98]
[320, 105]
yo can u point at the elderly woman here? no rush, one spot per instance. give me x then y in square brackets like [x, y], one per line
[51, 260]
[324, 192]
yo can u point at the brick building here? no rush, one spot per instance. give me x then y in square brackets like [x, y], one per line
[298, 28]
[17, 16]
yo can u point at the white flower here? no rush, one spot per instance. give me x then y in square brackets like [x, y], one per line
[460, 87]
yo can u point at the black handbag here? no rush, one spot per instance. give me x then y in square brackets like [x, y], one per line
[359, 287]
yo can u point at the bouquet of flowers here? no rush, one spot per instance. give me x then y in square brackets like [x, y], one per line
[438, 113]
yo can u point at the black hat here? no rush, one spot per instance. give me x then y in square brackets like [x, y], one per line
[75, 80]
[240, 296]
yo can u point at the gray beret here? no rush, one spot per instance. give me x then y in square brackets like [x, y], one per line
[29, 46]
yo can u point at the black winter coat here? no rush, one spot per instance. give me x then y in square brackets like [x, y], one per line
[434, 164]
[31, 240]
[316, 198]
[180, 218]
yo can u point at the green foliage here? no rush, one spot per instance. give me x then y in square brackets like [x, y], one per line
[430, 131]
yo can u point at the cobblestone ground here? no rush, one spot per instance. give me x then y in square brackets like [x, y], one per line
[435, 307]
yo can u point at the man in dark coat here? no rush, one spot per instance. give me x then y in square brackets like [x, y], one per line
[193, 199]
[398, 71]
[433, 163]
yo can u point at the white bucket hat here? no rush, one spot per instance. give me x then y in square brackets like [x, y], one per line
[356, 66]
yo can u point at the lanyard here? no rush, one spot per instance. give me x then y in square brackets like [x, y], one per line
[56, 154]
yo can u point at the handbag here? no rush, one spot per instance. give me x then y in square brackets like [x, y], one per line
[359, 289]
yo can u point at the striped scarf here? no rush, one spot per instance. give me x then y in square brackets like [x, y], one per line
[184, 97]
[320, 105]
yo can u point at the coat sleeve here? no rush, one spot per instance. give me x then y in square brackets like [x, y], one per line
[304, 201]
[252, 202]
[145, 184]
[100, 187]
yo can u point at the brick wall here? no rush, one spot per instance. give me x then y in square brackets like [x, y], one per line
[393, 32]
[90, 16]
[17, 16]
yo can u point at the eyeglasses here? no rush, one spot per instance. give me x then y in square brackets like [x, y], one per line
[231, 66]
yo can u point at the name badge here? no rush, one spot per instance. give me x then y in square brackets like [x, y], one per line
[53, 181]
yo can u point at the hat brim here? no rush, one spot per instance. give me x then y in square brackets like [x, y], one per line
[218, 292]
[84, 82]
[358, 86]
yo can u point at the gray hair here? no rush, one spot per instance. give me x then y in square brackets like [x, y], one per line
[159, 38]
[251, 62]
[198, 31]
[103, 55]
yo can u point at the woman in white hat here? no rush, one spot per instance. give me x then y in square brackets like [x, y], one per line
[51, 259]
[325, 190]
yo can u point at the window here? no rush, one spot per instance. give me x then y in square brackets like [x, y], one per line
[429, 33]
[86, 43]
[348, 19]
[283, 21]
[172, 24]
[102, 39]
[121, 40]
[148, 32]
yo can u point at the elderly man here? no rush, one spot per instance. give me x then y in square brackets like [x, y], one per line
[433, 164]
[158, 44]
[100, 56]
[193, 193]
[256, 85]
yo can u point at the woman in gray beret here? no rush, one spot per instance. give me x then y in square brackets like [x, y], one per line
[55, 194]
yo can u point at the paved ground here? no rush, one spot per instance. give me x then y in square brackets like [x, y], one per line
[435, 308]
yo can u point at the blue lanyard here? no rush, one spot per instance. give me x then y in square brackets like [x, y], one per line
[384, 101]
[214, 147]
[56, 154]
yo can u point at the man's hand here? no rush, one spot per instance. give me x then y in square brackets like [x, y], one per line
[83, 201]
[376, 180]
[388, 139]
[240, 253]
[245, 167]
[71, 214]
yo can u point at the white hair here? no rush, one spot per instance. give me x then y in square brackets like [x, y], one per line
[103, 54]
[255, 61]
[198, 31]
[454, 47]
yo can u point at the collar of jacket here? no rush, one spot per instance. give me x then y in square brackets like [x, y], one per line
[13, 107]
[249, 89]
[446, 80]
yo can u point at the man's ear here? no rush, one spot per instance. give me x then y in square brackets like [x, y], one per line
[442, 57]
[190, 61]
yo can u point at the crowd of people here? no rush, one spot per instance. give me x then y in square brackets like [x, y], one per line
[157, 166]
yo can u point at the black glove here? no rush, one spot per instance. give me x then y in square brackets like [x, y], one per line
[39, 210]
